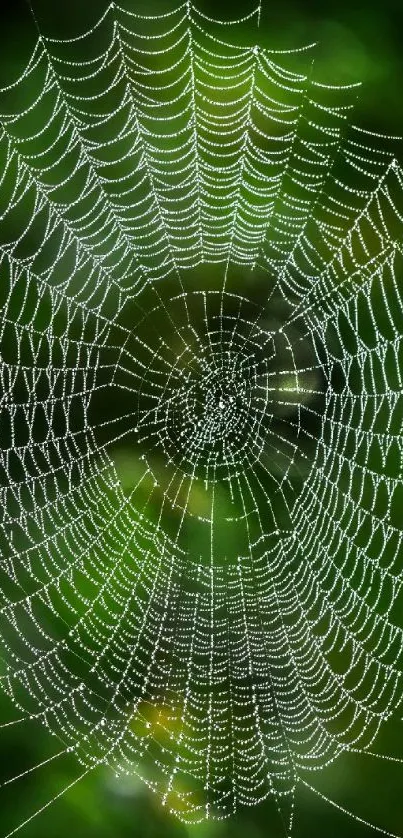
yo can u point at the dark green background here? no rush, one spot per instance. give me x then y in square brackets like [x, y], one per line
[357, 41]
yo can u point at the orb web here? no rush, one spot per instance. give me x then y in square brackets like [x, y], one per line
[200, 411]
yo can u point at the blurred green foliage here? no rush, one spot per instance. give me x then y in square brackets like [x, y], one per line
[358, 41]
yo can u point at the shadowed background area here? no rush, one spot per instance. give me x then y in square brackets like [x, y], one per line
[355, 42]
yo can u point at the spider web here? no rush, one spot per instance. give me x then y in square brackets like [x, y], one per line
[201, 411]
